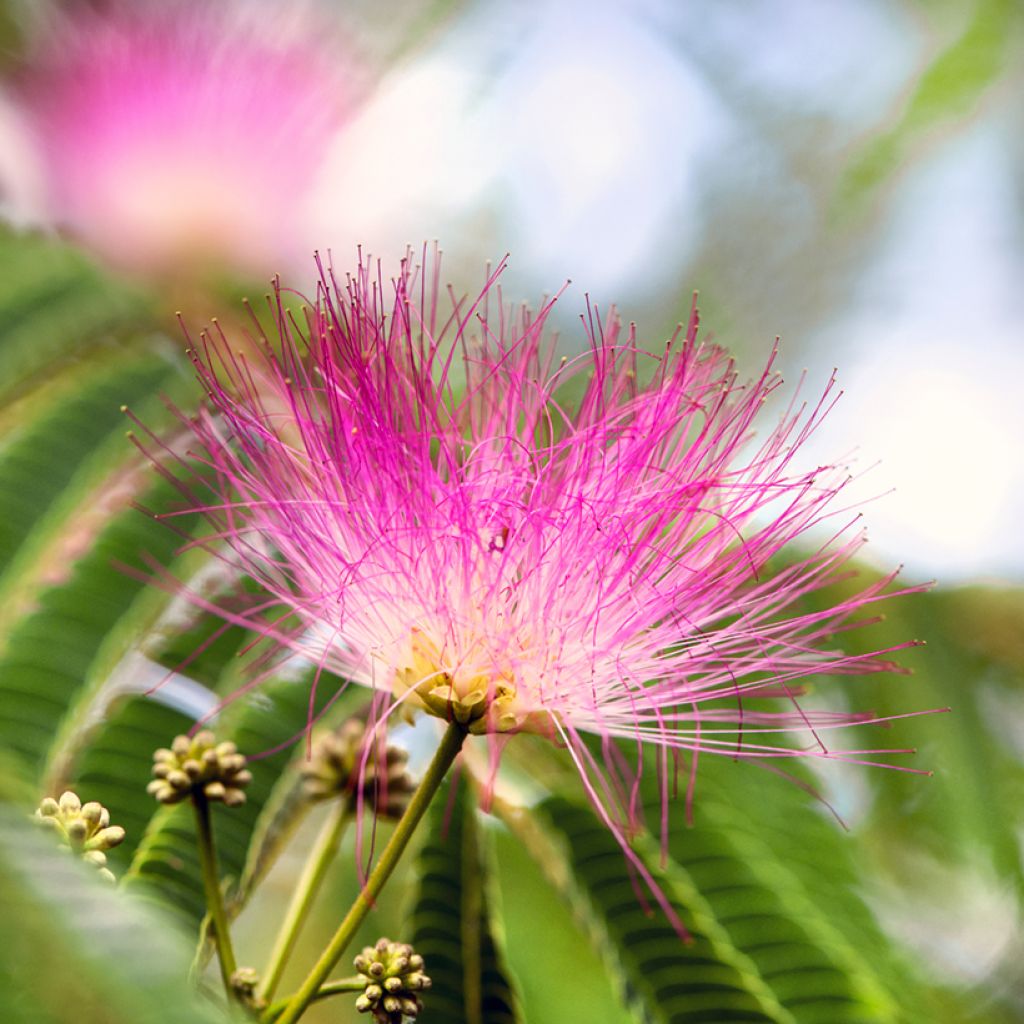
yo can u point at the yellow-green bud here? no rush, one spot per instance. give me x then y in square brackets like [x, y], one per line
[84, 829]
[244, 982]
[393, 974]
[199, 765]
[346, 762]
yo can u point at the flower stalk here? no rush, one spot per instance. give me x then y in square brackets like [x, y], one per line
[305, 892]
[329, 988]
[444, 757]
[214, 897]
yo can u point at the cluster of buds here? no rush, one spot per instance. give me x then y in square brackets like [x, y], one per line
[393, 975]
[244, 982]
[84, 829]
[343, 765]
[202, 766]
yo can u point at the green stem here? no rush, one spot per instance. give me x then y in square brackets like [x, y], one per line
[472, 911]
[313, 874]
[446, 753]
[330, 988]
[214, 898]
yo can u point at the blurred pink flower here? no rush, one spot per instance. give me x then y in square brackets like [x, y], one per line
[465, 524]
[184, 137]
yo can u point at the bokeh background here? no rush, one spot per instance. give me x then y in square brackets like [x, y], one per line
[843, 174]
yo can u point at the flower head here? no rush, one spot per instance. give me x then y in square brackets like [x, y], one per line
[476, 529]
[183, 134]
[199, 765]
[393, 976]
[84, 829]
[347, 764]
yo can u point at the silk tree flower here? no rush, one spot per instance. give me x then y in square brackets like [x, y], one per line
[457, 519]
[184, 135]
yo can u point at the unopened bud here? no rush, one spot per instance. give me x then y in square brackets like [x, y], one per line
[347, 763]
[392, 981]
[244, 982]
[83, 830]
[69, 802]
[106, 839]
[77, 829]
[95, 814]
[199, 765]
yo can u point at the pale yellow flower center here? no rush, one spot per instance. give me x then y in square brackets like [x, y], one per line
[483, 700]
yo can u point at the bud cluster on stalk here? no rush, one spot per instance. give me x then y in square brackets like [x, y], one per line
[393, 975]
[199, 765]
[345, 763]
[84, 829]
[244, 983]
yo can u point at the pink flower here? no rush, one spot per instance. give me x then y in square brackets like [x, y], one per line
[184, 135]
[471, 527]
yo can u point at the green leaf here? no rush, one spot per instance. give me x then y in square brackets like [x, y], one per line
[454, 929]
[11, 31]
[559, 973]
[54, 304]
[107, 742]
[59, 612]
[947, 92]
[779, 874]
[765, 882]
[662, 978]
[77, 951]
[65, 450]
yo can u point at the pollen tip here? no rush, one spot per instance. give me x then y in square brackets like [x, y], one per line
[124, 408]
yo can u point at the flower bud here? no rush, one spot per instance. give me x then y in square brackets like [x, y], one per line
[393, 975]
[199, 765]
[244, 982]
[77, 830]
[82, 829]
[69, 802]
[106, 838]
[95, 814]
[346, 762]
